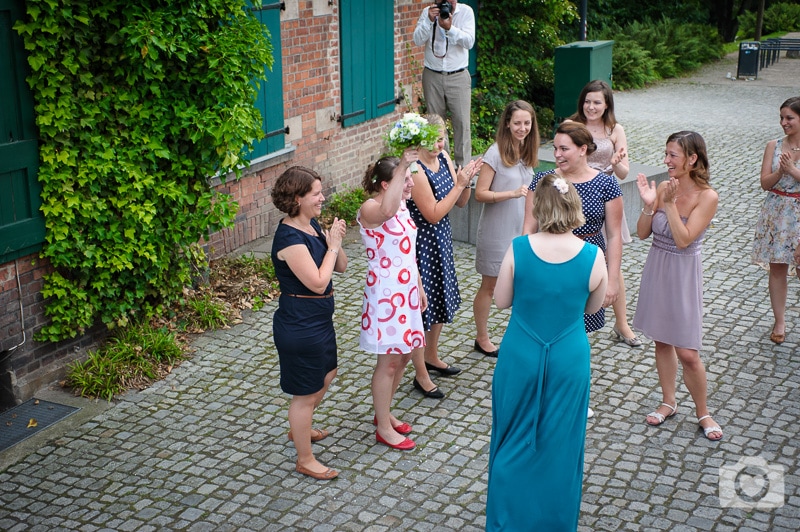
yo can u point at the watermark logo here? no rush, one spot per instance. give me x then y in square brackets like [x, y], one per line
[751, 483]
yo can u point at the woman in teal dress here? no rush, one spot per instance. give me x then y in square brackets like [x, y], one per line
[540, 389]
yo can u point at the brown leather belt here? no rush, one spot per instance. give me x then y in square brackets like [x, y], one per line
[303, 296]
[584, 237]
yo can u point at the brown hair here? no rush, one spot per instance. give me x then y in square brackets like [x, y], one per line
[792, 103]
[579, 134]
[379, 172]
[510, 151]
[598, 85]
[557, 213]
[294, 181]
[693, 144]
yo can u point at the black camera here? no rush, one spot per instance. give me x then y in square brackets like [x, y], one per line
[445, 9]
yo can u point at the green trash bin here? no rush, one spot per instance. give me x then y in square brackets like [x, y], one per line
[576, 64]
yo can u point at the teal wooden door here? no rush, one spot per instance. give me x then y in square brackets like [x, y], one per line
[21, 222]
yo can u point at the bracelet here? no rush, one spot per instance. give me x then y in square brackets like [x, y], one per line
[651, 213]
[334, 251]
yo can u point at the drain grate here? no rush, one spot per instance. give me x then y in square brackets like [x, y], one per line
[29, 418]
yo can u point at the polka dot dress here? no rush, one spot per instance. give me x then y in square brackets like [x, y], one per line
[435, 253]
[594, 195]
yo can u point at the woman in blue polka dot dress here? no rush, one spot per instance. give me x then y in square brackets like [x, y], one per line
[602, 202]
[437, 189]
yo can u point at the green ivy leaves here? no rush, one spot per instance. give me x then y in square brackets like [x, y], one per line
[136, 104]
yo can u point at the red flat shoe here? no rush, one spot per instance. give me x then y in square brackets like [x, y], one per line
[402, 429]
[405, 445]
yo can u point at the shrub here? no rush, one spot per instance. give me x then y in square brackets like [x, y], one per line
[343, 205]
[136, 105]
[778, 18]
[647, 51]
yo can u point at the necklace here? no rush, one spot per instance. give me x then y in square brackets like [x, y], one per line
[792, 148]
[308, 230]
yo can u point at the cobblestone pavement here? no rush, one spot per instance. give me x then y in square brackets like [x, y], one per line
[206, 448]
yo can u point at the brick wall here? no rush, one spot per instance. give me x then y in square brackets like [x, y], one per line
[25, 364]
[311, 81]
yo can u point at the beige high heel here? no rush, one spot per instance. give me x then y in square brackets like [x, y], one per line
[633, 342]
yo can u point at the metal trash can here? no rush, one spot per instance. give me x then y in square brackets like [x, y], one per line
[748, 59]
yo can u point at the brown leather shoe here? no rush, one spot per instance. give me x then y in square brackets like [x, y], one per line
[777, 338]
[329, 474]
[316, 435]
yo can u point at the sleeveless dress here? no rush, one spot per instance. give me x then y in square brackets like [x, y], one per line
[500, 222]
[778, 226]
[594, 195]
[600, 160]
[391, 320]
[670, 307]
[437, 267]
[302, 327]
[540, 395]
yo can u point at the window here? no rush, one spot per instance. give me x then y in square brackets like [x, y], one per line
[270, 95]
[21, 223]
[367, 60]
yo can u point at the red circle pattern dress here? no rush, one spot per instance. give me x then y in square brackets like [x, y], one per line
[391, 318]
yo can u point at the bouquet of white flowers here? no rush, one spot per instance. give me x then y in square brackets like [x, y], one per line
[411, 131]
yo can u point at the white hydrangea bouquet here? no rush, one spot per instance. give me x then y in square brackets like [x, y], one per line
[411, 131]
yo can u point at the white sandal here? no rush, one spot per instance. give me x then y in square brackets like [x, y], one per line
[709, 430]
[659, 416]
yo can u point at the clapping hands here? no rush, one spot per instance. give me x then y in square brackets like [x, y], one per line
[647, 191]
[335, 234]
[618, 156]
[466, 173]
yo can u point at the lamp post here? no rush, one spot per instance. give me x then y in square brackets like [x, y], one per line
[583, 10]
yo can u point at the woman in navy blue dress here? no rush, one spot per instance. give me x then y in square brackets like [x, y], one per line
[602, 202]
[305, 258]
[438, 187]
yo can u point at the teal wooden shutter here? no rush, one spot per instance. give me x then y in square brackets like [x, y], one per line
[382, 44]
[367, 60]
[22, 227]
[354, 66]
[270, 94]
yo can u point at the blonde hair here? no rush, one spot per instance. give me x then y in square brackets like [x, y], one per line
[557, 213]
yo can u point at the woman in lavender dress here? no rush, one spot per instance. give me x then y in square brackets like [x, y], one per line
[670, 307]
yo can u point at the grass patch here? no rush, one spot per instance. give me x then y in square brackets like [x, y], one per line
[132, 358]
[137, 355]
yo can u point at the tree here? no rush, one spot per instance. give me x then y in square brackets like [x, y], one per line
[516, 41]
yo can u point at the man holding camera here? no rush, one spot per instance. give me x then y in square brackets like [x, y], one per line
[447, 30]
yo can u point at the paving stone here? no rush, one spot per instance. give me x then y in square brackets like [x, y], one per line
[206, 448]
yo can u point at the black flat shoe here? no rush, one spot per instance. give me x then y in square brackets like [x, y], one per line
[436, 393]
[479, 349]
[447, 371]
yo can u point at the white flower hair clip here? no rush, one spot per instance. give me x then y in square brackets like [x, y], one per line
[561, 184]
